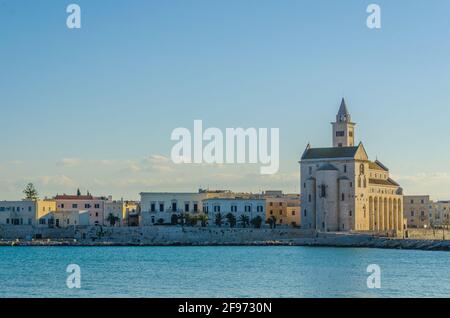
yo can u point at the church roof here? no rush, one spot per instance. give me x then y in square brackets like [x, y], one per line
[388, 182]
[377, 165]
[328, 153]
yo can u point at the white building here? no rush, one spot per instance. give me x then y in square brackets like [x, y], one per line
[24, 212]
[161, 207]
[238, 207]
[18, 212]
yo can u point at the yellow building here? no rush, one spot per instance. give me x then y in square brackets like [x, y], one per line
[283, 208]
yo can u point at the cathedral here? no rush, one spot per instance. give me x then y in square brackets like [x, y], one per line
[342, 190]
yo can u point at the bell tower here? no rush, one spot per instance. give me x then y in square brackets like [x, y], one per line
[343, 128]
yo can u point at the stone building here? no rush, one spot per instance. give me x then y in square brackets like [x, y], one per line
[417, 210]
[284, 208]
[342, 190]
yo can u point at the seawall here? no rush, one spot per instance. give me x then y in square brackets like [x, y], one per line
[189, 236]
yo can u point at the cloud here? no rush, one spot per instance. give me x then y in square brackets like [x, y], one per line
[69, 162]
[437, 184]
[56, 181]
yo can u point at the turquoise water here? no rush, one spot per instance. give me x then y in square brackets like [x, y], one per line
[221, 272]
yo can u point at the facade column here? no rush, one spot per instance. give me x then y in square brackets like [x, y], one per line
[376, 216]
[400, 216]
[395, 218]
[371, 214]
[381, 212]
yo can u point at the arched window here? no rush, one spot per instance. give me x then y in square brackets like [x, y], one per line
[342, 197]
[361, 168]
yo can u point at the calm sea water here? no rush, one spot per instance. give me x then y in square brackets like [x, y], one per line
[221, 272]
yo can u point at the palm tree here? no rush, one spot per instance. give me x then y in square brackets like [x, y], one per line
[203, 218]
[256, 222]
[231, 219]
[112, 219]
[219, 219]
[244, 220]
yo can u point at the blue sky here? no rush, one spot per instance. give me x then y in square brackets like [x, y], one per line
[94, 108]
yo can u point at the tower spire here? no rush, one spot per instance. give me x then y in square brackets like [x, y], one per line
[343, 115]
[343, 128]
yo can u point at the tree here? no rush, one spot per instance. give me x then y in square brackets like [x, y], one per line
[203, 218]
[219, 219]
[160, 221]
[272, 222]
[191, 220]
[112, 219]
[244, 220]
[256, 222]
[78, 192]
[231, 219]
[30, 192]
[174, 219]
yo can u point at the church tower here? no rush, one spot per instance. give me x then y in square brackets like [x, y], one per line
[343, 128]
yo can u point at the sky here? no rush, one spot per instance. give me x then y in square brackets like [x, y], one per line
[94, 108]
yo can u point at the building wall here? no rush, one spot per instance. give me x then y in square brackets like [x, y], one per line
[94, 206]
[277, 205]
[18, 212]
[237, 206]
[416, 209]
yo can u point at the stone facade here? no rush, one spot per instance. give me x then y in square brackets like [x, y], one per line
[417, 210]
[285, 208]
[342, 190]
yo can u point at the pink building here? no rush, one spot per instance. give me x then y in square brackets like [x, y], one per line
[95, 206]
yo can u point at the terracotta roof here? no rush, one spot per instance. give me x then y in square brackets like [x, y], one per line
[332, 152]
[74, 197]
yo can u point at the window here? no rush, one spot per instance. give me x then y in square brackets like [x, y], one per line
[304, 212]
[248, 208]
[304, 185]
[186, 207]
[195, 207]
[97, 206]
[310, 170]
[62, 206]
[260, 208]
[280, 204]
[412, 213]
[323, 192]
[422, 213]
[29, 209]
[271, 204]
[342, 197]
[161, 207]
[350, 133]
[96, 214]
[87, 206]
[74, 206]
[361, 168]
[350, 213]
[345, 168]
[340, 133]
[42, 221]
[174, 206]
[421, 201]
[351, 184]
[281, 212]
[293, 212]
[309, 197]
[233, 208]
[152, 207]
[271, 212]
